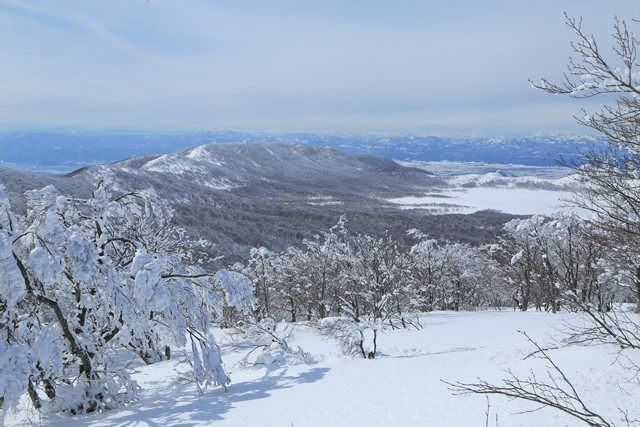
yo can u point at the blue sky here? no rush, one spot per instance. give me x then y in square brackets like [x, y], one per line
[437, 67]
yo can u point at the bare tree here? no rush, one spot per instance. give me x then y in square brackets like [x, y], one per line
[611, 176]
[612, 327]
[555, 390]
[611, 179]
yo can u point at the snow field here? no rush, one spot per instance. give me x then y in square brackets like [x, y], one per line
[402, 387]
[517, 201]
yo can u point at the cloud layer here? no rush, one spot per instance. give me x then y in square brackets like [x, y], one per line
[362, 66]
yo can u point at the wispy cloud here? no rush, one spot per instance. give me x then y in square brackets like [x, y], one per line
[65, 19]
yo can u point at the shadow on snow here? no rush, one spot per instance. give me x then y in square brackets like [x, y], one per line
[180, 405]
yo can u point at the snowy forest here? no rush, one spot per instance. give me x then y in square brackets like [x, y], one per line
[540, 263]
[88, 285]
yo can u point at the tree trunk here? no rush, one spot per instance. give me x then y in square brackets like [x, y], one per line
[33, 395]
[637, 290]
[375, 343]
[322, 312]
[292, 309]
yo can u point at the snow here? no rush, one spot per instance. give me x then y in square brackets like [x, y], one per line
[454, 169]
[202, 153]
[514, 189]
[219, 184]
[502, 179]
[197, 162]
[403, 386]
[517, 201]
[323, 201]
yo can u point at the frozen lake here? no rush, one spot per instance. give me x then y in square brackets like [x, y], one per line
[517, 201]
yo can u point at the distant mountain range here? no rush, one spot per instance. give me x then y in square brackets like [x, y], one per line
[251, 194]
[63, 152]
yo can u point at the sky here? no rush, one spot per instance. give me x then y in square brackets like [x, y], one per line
[374, 66]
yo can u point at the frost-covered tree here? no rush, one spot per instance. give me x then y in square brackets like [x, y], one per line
[366, 278]
[260, 270]
[549, 261]
[291, 285]
[324, 254]
[522, 249]
[611, 177]
[471, 277]
[266, 344]
[587, 273]
[373, 271]
[453, 276]
[82, 280]
[428, 270]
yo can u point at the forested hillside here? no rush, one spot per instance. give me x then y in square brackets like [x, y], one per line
[243, 195]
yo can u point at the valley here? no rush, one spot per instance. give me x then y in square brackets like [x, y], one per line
[247, 195]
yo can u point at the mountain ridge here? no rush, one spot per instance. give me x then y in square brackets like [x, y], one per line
[65, 152]
[251, 194]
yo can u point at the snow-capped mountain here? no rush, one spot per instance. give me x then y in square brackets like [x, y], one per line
[68, 151]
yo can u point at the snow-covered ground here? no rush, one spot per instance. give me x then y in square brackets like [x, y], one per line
[517, 201]
[449, 168]
[402, 387]
[514, 189]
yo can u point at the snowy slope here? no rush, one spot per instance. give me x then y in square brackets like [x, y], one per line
[402, 387]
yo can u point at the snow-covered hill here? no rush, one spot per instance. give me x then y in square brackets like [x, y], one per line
[251, 194]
